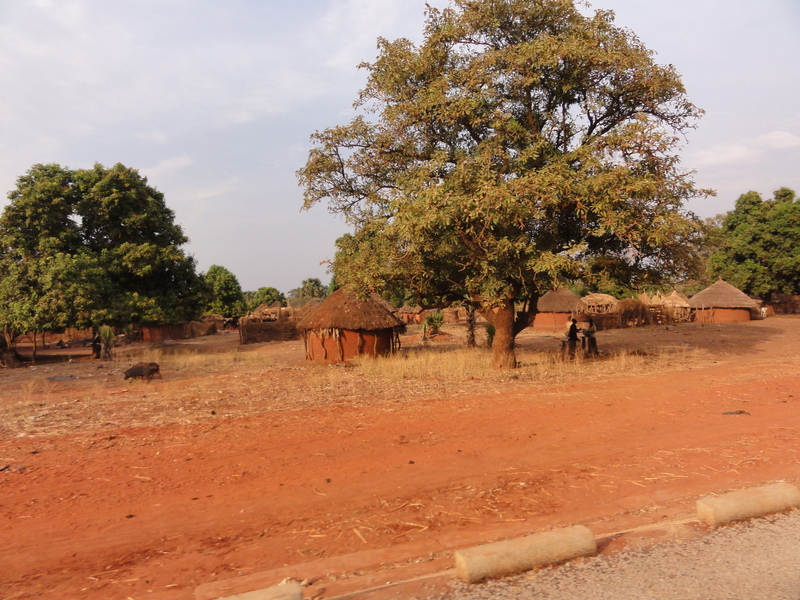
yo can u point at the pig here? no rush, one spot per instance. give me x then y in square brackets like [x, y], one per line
[143, 370]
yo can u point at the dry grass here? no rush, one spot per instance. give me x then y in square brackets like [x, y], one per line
[209, 379]
[460, 365]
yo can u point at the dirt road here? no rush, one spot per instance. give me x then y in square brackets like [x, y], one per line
[153, 511]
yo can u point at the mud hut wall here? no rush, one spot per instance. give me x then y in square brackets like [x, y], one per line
[257, 332]
[154, 334]
[348, 344]
[784, 304]
[551, 321]
[721, 315]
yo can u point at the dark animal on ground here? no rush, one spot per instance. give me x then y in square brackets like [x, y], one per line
[143, 370]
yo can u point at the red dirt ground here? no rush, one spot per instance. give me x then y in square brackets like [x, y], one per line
[102, 508]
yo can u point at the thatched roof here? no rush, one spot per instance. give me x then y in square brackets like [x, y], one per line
[414, 310]
[600, 300]
[676, 300]
[560, 301]
[344, 310]
[722, 295]
[384, 302]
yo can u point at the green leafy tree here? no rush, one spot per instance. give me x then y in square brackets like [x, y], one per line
[263, 295]
[81, 247]
[758, 244]
[521, 145]
[309, 289]
[224, 293]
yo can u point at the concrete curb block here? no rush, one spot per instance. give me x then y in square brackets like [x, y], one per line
[284, 591]
[747, 504]
[522, 554]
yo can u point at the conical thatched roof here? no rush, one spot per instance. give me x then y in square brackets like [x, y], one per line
[560, 301]
[413, 310]
[722, 295]
[344, 310]
[676, 300]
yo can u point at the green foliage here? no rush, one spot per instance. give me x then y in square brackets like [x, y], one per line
[309, 289]
[263, 295]
[490, 331]
[223, 293]
[523, 144]
[91, 246]
[107, 339]
[757, 245]
[432, 323]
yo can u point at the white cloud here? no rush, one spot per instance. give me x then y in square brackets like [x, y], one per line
[219, 189]
[168, 165]
[725, 155]
[778, 140]
[746, 151]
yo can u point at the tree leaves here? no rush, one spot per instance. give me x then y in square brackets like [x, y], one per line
[760, 244]
[91, 246]
[521, 144]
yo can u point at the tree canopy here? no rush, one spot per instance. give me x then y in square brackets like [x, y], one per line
[223, 293]
[758, 244]
[81, 247]
[520, 145]
[263, 295]
[309, 289]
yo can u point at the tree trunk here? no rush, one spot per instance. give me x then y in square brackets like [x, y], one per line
[33, 355]
[508, 323]
[9, 358]
[502, 317]
[470, 325]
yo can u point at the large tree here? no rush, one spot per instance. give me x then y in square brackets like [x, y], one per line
[223, 292]
[263, 295]
[521, 144]
[83, 247]
[309, 289]
[758, 244]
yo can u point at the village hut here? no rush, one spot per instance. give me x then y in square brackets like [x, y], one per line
[411, 315]
[722, 303]
[600, 304]
[676, 307]
[556, 308]
[345, 326]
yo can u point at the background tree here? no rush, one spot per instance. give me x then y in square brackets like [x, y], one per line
[223, 292]
[309, 289]
[759, 244]
[263, 295]
[521, 145]
[91, 247]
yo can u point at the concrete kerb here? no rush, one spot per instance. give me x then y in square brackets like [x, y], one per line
[515, 555]
[284, 591]
[498, 559]
[747, 504]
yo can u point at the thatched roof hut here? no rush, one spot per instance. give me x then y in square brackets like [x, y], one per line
[722, 302]
[345, 326]
[411, 314]
[676, 299]
[560, 301]
[556, 308]
[600, 304]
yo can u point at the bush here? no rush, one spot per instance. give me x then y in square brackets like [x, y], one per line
[432, 323]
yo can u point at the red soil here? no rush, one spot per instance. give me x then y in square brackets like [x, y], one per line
[155, 511]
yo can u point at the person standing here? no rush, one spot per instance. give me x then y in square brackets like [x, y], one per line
[591, 341]
[572, 338]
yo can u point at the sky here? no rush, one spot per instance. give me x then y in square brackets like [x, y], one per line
[214, 102]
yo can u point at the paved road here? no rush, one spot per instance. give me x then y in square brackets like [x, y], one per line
[757, 560]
